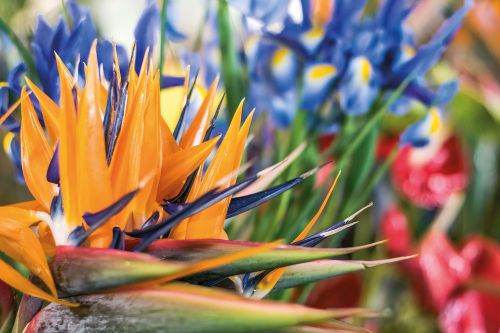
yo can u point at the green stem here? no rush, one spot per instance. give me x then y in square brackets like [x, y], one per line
[162, 34]
[363, 193]
[231, 67]
[23, 51]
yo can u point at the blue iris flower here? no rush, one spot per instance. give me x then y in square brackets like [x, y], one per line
[420, 133]
[70, 43]
[371, 54]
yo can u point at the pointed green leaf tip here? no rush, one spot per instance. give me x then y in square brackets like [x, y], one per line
[177, 308]
[323, 269]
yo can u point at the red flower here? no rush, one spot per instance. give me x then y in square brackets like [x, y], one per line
[428, 183]
[461, 286]
[396, 230]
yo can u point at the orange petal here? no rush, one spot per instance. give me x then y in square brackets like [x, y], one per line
[180, 165]
[127, 159]
[90, 153]
[29, 205]
[169, 145]
[95, 191]
[50, 111]
[11, 109]
[27, 217]
[36, 154]
[208, 223]
[67, 147]
[151, 159]
[196, 131]
[311, 223]
[46, 239]
[20, 243]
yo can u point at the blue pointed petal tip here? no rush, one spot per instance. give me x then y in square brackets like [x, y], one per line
[53, 169]
[95, 220]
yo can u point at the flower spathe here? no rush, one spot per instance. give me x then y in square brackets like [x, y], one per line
[428, 178]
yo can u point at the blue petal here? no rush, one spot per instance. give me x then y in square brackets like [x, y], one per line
[146, 32]
[446, 93]
[95, 220]
[172, 33]
[106, 58]
[419, 134]
[284, 67]
[318, 80]
[53, 169]
[171, 81]
[430, 53]
[14, 79]
[14, 152]
[359, 87]
[118, 241]
[245, 203]
[268, 11]
[345, 13]
[392, 13]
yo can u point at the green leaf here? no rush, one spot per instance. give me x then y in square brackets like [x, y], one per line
[331, 326]
[283, 255]
[177, 308]
[323, 269]
[231, 67]
[472, 118]
[163, 21]
[23, 51]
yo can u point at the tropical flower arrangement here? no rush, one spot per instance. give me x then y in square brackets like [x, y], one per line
[189, 191]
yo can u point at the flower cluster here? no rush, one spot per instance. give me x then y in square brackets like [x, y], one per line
[337, 51]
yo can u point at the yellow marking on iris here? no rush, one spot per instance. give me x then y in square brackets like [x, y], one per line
[279, 56]
[250, 43]
[3, 84]
[7, 140]
[409, 51]
[366, 69]
[314, 33]
[435, 120]
[322, 71]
